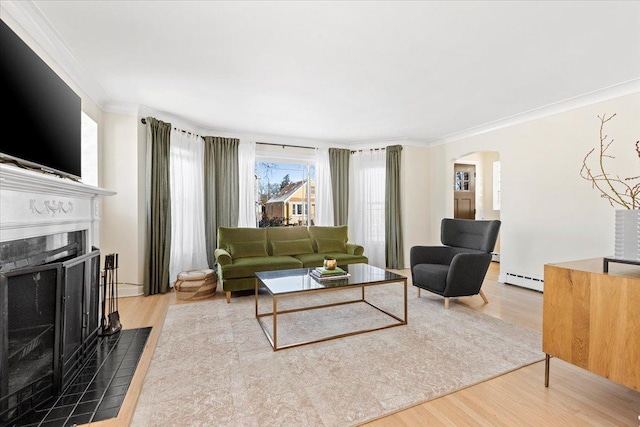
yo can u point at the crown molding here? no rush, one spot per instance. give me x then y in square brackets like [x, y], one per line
[616, 91]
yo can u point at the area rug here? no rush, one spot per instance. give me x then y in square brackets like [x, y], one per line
[214, 366]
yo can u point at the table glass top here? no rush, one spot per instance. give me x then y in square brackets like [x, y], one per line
[299, 279]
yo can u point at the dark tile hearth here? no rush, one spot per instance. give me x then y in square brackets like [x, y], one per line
[97, 392]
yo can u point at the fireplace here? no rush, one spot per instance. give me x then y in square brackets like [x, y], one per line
[48, 319]
[49, 285]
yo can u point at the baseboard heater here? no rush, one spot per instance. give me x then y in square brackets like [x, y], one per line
[524, 281]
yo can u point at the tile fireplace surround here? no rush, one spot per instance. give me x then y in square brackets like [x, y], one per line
[34, 205]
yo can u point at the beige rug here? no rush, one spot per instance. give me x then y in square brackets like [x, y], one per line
[213, 365]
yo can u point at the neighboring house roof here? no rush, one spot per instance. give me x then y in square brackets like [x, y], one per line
[286, 192]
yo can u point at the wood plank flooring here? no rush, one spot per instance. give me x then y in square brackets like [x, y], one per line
[575, 397]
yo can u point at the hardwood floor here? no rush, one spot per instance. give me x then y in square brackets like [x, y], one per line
[575, 397]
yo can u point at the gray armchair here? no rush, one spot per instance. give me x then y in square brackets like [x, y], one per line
[458, 268]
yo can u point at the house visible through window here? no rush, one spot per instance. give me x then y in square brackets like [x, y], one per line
[286, 193]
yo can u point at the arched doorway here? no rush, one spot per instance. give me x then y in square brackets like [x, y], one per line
[476, 188]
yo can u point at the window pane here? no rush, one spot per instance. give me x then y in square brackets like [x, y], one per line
[285, 191]
[89, 164]
[496, 186]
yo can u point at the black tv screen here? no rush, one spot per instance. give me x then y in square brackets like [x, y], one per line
[42, 111]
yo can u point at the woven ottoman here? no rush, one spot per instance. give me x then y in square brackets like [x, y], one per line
[196, 284]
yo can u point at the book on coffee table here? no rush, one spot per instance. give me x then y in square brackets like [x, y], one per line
[323, 274]
[328, 272]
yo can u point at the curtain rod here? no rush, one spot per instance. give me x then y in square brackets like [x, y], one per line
[144, 122]
[285, 145]
[370, 149]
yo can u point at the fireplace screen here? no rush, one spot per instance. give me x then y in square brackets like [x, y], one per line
[28, 364]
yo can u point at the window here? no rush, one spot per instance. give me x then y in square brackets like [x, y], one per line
[89, 153]
[286, 192]
[496, 186]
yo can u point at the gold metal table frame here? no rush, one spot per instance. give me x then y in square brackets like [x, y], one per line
[273, 340]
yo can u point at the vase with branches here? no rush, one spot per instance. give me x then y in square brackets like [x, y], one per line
[619, 192]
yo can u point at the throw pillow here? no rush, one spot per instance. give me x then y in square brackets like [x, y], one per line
[326, 246]
[291, 247]
[247, 249]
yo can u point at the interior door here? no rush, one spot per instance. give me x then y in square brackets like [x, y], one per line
[464, 191]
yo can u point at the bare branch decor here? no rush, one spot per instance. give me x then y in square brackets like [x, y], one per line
[619, 192]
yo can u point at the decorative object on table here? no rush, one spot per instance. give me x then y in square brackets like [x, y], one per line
[627, 243]
[110, 323]
[196, 284]
[323, 273]
[330, 263]
[621, 193]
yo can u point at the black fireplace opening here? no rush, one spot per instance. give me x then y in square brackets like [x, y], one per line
[49, 291]
[31, 336]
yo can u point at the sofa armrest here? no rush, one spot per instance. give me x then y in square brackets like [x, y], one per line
[222, 257]
[355, 249]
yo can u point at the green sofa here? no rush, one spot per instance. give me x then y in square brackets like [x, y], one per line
[242, 252]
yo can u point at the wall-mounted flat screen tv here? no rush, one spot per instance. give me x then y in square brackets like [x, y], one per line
[40, 111]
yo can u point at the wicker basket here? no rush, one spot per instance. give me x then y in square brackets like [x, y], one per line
[196, 284]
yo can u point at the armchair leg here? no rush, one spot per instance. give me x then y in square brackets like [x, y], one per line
[418, 292]
[446, 303]
[486, 301]
[228, 297]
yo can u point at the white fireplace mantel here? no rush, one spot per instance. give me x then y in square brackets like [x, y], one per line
[35, 204]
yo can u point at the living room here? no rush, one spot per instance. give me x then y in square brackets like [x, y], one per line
[537, 106]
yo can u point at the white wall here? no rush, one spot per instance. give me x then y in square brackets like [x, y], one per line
[488, 158]
[415, 198]
[549, 213]
[122, 225]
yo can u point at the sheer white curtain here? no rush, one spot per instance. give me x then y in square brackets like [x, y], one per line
[366, 203]
[247, 184]
[186, 171]
[324, 194]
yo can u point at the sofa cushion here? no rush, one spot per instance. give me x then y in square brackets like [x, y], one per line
[291, 247]
[326, 232]
[316, 260]
[247, 249]
[228, 235]
[326, 246]
[246, 267]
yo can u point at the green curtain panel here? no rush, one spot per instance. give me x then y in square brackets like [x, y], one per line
[158, 212]
[393, 218]
[339, 166]
[221, 185]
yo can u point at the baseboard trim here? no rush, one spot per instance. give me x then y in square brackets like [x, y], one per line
[129, 290]
[524, 281]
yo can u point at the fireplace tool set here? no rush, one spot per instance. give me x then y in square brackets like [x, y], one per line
[110, 323]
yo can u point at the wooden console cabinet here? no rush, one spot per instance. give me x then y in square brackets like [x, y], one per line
[591, 319]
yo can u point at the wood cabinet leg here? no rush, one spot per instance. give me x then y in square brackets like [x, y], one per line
[228, 297]
[546, 370]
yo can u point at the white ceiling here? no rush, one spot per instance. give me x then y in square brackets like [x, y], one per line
[348, 72]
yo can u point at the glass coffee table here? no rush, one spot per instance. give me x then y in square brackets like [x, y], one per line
[287, 283]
